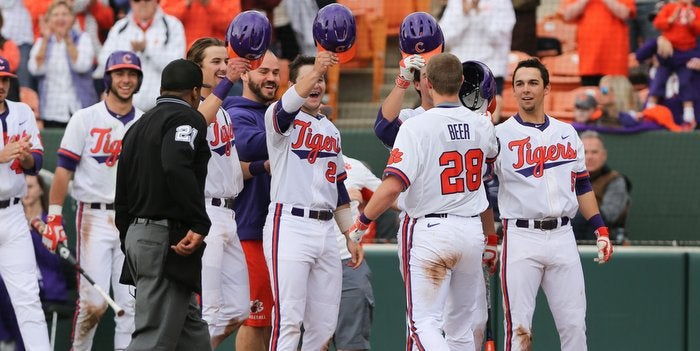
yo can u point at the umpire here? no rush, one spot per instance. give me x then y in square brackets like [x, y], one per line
[161, 217]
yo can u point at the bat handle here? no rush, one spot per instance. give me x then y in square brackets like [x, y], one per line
[117, 310]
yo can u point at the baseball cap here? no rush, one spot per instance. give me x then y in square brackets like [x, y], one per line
[181, 74]
[5, 68]
[585, 101]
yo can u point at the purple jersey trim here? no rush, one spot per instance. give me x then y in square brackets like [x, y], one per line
[583, 183]
[282, 119]
[386, 131]
[67, 162]
[541, 127]
[343, 196]
[125, 118]
[38, 156]
[399, 174]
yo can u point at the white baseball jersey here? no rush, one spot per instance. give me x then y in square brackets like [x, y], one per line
[224, 174]
[535, 161]
[93, 138]
[359, 177]
[17, 122]
[309, 149]
[443, 151]
[407, 113]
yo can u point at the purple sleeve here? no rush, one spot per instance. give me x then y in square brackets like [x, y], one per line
[583, 183]
[250, 138]
[66, 162]
[646, 51]
[343, 196]
[38, 162]
[627, 120]
[386, 131]
[281, 118]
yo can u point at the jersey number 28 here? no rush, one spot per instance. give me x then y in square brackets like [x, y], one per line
[451, 179]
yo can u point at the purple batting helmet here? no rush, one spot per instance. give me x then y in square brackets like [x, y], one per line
[119, 60]
[479, 87]
[334, 30]
[420, 34]
[249, 36]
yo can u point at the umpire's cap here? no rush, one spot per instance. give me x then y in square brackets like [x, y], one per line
[334, 30]
[181, 75]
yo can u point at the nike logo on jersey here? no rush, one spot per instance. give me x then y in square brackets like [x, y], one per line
[22, 123]
[430, 225]
[537, 157]
[314, 143]
[564, 137]
[105, 145]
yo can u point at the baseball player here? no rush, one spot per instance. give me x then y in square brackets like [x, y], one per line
[20, 153]
[248, 115]
[225, 289]
[438, 161]
[299, 238]
[543, 181]
[89, 153]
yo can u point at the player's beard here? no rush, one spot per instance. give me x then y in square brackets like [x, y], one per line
[256, 89]
[121, 98]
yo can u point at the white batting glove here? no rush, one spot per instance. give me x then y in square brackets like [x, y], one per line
[490, 256]
[605, 248]
[358, 229]
[409, 65]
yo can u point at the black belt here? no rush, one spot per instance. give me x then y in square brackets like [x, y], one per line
[324, 215]
[100, 206]
[138, 220]
[545, 224]
[228, 203]
[8, 202]
[442, 215]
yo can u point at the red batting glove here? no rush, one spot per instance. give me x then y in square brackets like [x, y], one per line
[53, 233]
[490, 256]
[605, 248]
[357, 229]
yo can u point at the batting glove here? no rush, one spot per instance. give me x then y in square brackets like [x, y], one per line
[605, 248]
[409, 65]
[490, 256]
[53, 233]
[358, 229]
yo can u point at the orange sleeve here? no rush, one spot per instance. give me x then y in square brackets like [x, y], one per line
[175, 8]
[10, 52]
[36, 8]
[696, 23]
[661, 20]
[104, 15]
[221, 13]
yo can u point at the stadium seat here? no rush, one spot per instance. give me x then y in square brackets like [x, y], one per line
[553, 26]
[563, 102]
[396, 11]
[563, 71]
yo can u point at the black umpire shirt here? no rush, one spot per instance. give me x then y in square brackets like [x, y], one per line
[163, 168]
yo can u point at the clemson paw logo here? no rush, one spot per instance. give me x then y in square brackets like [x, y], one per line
[394, 156]
[256, 306]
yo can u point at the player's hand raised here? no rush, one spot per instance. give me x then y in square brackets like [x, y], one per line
[325, 60]
[236, 67]
[490, 256]
[605, 248]
[53, 232]
[409, 65]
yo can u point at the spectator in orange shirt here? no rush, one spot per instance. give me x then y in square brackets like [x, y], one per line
[679, 22]
[602, 36]
[202, 18]
[10, 51]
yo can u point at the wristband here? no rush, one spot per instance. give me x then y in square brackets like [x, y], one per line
[596, 221]
[402, 83]
[492, 239]
[364, 219]
[257, 167]
[222, 89]
[55, 210]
